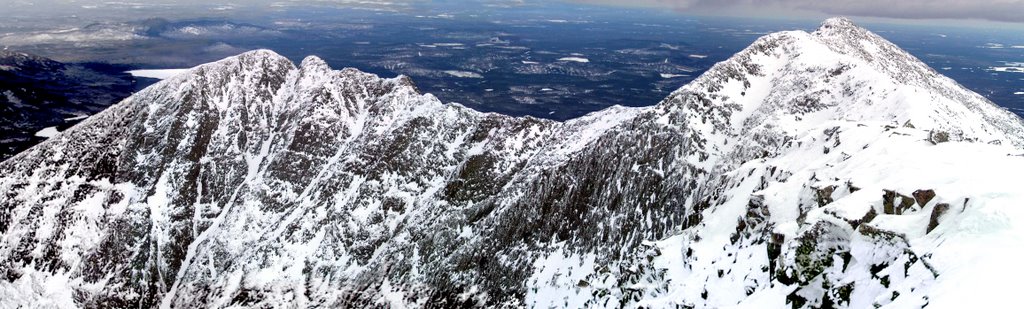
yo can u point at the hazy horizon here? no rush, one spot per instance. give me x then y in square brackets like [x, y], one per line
[989, 13]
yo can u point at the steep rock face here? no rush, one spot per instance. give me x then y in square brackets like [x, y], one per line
[255, 182]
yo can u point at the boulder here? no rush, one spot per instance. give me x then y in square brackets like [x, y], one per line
[937, 213]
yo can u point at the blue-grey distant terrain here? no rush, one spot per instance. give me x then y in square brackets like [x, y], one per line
[549, 60]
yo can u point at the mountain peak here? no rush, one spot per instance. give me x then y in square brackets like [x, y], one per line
[259, 60]
[843, 28]
[314, 64]
[261, 53]
[838, 23]
[845, 72]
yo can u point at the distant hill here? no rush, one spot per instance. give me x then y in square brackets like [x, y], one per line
[37, 93]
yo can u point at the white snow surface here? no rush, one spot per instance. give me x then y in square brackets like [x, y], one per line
[773, 177]
[157, 73]
[48, 132]
[574, 59]
[463, 74]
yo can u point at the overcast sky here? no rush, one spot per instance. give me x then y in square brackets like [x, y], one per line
[993, 10]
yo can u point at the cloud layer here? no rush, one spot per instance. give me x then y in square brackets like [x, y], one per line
[994, 10]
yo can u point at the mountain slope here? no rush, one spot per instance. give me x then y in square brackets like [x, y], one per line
[787, 175]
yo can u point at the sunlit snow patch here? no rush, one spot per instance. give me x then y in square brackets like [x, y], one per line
[157, 74]
[48, 132]
[463, 74]
[1007, 69]
[574, 59]
[667, 75]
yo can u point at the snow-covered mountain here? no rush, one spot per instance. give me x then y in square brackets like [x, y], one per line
[810, 170]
